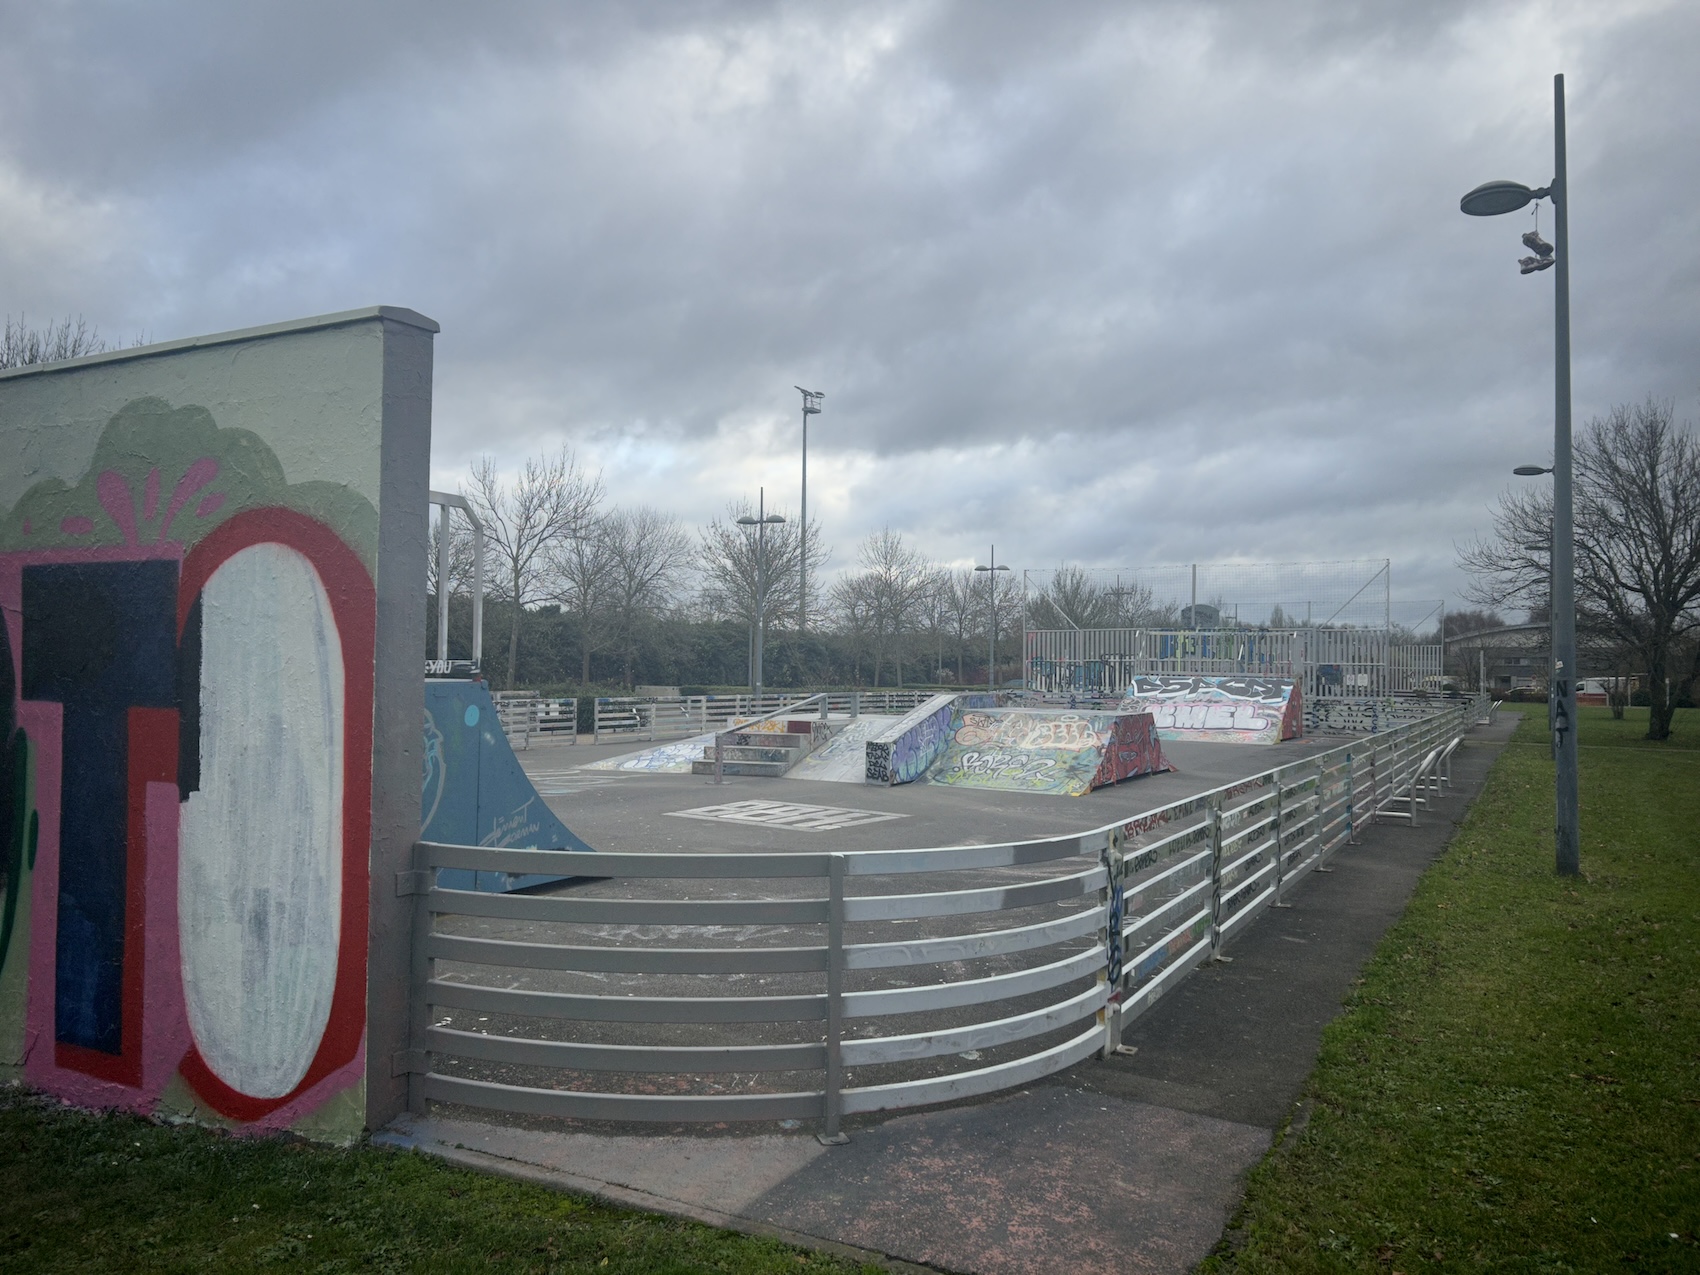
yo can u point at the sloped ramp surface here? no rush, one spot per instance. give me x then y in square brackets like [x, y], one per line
[477, 794]
[1042, 750]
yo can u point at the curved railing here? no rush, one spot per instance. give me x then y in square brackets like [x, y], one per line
[810, 985]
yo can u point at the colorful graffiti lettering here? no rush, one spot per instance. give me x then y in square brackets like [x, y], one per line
[189, 655]
[1249, 710]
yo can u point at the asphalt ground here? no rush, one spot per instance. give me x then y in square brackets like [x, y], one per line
[633, 812]
[1129, 1163]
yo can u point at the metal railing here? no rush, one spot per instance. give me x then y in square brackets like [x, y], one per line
[524, 714]
[759, 725]
[651, 717]
[794, 986]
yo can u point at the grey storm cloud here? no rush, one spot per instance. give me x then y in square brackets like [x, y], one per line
[1113, 283]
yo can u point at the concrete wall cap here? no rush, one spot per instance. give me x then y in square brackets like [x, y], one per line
[342, 318]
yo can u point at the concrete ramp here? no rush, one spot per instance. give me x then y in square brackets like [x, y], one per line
[475, 792]
[1220, 710]
[1046, 750]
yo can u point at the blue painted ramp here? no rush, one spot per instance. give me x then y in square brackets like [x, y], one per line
[476, 793]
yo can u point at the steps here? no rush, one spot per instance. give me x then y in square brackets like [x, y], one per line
[765, 753]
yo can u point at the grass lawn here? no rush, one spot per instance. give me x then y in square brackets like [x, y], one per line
[89, 1193]
[1515, 1082]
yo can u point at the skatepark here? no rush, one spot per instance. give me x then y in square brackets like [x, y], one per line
[265, 876]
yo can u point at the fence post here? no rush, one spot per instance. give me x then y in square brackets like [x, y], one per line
[423, 969]
[1213, 820]
[1351, 798]
[1281, 838]
[832, 1135]
[1113, 896]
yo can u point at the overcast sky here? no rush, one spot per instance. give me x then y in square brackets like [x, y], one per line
[1114, 284]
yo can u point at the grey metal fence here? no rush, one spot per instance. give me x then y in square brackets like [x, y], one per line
[811, 985]
[1351, 662]
[650, 717]
[526, 715]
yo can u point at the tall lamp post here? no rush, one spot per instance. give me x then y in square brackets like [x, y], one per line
[1490, 200]
[811, 407]
[992, 579]
[760, 522]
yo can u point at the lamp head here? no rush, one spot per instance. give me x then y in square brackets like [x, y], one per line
[1531, 471]
[1491, 199]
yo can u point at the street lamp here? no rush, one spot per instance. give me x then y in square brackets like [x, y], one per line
[811, 407]
[1531, 471]
[991, 579]
[1490, 200]
[760, 522]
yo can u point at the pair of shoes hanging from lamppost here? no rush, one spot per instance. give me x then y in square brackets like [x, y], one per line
[1542, 250]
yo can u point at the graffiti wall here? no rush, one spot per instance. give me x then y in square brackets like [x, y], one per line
[1237, 710]
[1342, 715]
[200, 689]
[1042, 750]
[901, 753]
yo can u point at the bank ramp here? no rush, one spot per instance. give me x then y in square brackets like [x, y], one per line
[477, 794]
[968, 741]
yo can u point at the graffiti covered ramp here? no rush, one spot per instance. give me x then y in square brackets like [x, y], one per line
[1221, 710]
[1046, 750]
[476, 793]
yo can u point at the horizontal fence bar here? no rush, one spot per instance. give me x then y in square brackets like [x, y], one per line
[959, 1040]
[998, 898]
[573, 1105]
[968, 947]
[533, 907]
[972, 991]
[627, 1009]
[972, 1084]
[574, 1056]
[627, 960]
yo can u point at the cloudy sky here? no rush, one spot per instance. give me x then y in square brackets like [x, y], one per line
[1113, 284]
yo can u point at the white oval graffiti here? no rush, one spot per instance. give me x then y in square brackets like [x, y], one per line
[260, 845]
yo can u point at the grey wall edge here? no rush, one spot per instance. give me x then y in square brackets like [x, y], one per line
[389, 314]
[398, 690]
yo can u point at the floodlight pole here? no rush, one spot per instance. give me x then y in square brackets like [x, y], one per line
[992, 579]
[1564, 527]
[760, 523]
[811, 407]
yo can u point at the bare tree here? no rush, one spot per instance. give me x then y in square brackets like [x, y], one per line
[851, 601]
[22, 345]
[893, 581]
[1637, 517]
[550, 500]
[958, 610]
[726, 555]
[648, 553]
[581, 569]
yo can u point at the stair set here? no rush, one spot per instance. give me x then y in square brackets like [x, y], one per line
[766, 752]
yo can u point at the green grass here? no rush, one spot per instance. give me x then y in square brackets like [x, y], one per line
[81, 1192]
[1601, 730]
[1515, 1082]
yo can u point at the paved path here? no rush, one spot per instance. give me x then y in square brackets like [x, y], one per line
[1127, 1164]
